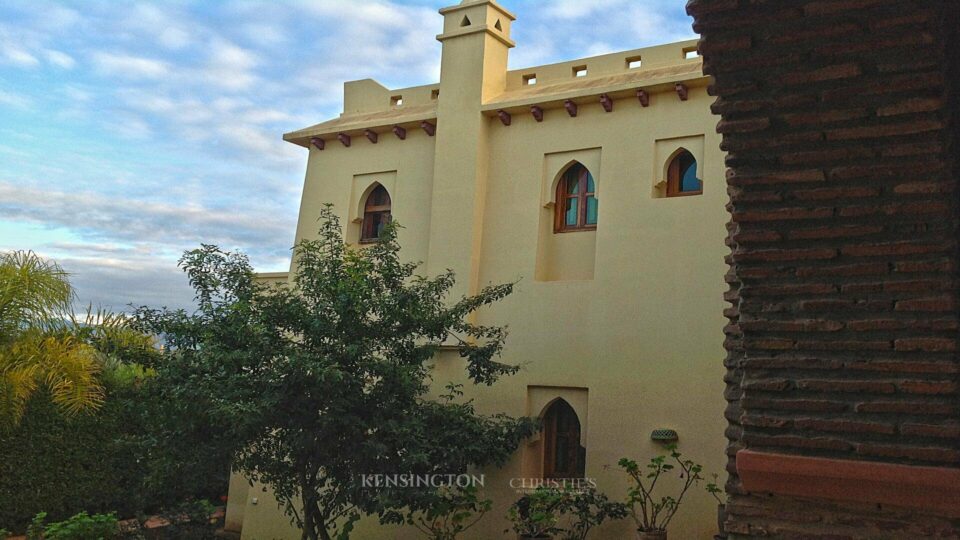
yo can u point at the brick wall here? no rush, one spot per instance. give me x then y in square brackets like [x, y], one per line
[839, 120]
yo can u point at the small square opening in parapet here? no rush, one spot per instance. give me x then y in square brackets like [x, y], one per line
[530, 79]
[580, 71]
[634, 62]
[396, 101]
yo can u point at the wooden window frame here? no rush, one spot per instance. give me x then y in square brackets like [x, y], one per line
[559, 214]
[673, 177]
[367, 236]
[550, 440]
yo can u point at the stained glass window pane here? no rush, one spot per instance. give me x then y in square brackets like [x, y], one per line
[590, 186]
[570, 214]
[688, 178]
[591, 210]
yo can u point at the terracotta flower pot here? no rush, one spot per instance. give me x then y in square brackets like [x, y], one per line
[651, 535]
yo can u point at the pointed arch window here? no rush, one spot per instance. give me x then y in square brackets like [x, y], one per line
[563, 457]
[576, 208]
[682, 177]
[376, 214]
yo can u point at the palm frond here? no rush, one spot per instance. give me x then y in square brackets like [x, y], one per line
[33, 291]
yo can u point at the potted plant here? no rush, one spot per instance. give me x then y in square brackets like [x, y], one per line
[536, 514]
[651, 513]
[715, 490]
[588, 508]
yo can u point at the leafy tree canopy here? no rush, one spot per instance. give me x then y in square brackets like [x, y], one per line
[327, 379]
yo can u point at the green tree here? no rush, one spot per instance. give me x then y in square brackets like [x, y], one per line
[34, 297]
[320, 384]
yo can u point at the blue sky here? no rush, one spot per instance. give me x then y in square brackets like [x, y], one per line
[131, 131]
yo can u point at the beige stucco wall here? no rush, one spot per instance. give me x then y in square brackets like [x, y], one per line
[625, 323]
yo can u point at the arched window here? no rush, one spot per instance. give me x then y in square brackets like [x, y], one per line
[563, 457]
[576, 208]
[682, 176]
[376, 214]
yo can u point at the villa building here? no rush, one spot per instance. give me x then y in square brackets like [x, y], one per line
[598, 183]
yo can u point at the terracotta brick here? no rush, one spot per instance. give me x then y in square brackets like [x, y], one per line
[911, 149]
[756, 196]
[729, 106]
[919, 285]
[923, 188]
[808, 405]
[908, 407]
[884, 130]
[840, 71]
[770, 344]
[940, 265]
[828, 305]
[847, 386]
[869, 325]
[764, 421]
[820, 443]
[926, 344]
[816, 424]
[863, 269]
[767, 385]
[928, 454]
[752, 237]
[824, 117]
[941, 431]
[935, 304]
[802, 362]
[789, 290]
[743, 126]
[911, 367]
[893, 248]
[826, 156]
[787, 177]
[913, 105]
[823, 7]
[843, 345]
[928, 387]
[774, 255]
[807, 325]
[846, 231]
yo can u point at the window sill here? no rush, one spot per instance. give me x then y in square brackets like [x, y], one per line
[578, 229]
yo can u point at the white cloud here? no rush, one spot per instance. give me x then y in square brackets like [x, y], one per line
[127, 66]
[230, 67]
[264, 34]
[133, 127]
[60, 59]
[14, 100]
[18, 56]
[54, 17]
[174, 38]
[138, 220]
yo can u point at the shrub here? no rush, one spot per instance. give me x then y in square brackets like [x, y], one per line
[537, 513]
[585, 508]
[83, 527]
[107, 462]
[649, 510]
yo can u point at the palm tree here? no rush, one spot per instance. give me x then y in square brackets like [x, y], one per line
[35, 354]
